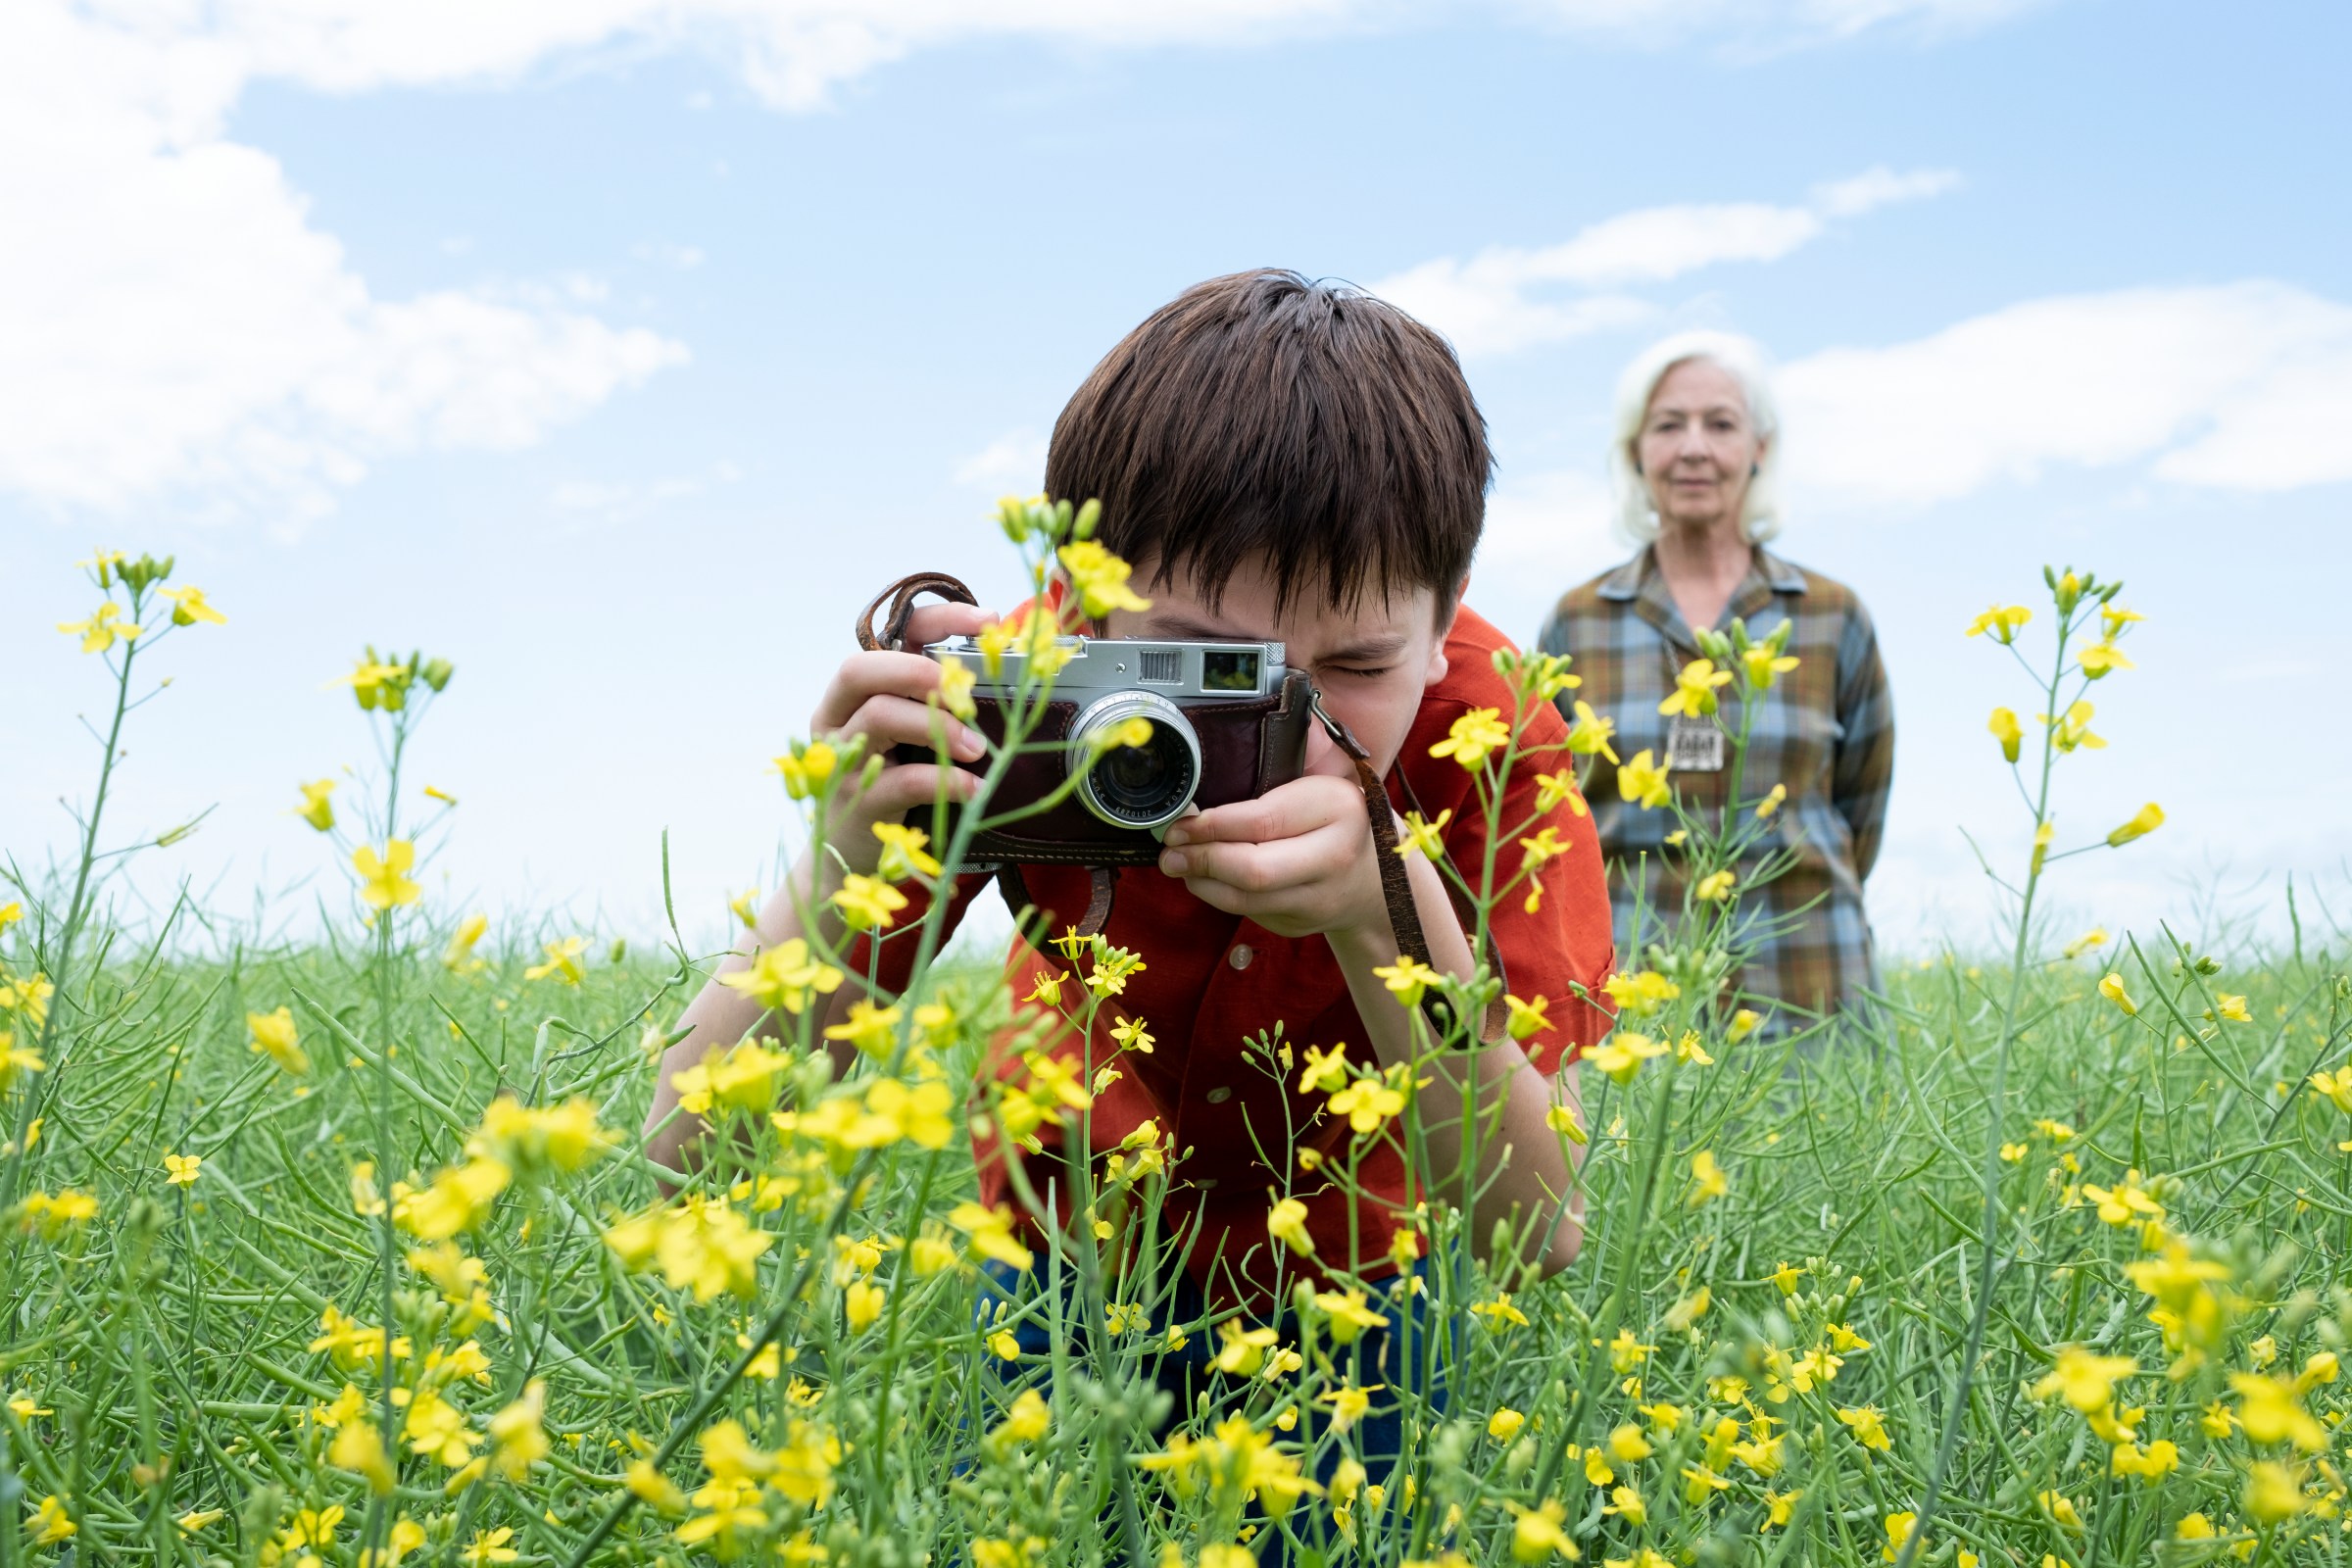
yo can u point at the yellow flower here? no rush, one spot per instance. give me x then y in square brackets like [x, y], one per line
[2060, 1509]
[2085, 1381]
[358, 1448]
[1593, 732]
[872, 1030]
[1348, 1404]
[1714, 887]
[383, 880]
[1473, 735]
[866, 902]
[1899, 1529]
[1346, 1314]
[1780, 1508]
[1406, 980]
[783, 978]
[376, 685]
[273, 1033]
[469, 931]
[2231, 1006]
[2269, 1412]
[1643, 781]
[16, 1059]
[807, 769]
[1243, 1350]
[100, 631]
[1539, 1535]
[182, 1168]
[2336, 1086]
[1869, 1427]
[50, 1523]
[2007, 731]
[1326, 1072]
[2193, 1527]
[902, 852]
[1286, 1222]
[2146, 820]
[188, 607]
[1525, 1017]
[2273, 1493]
[2102, 657]
[490, 1546]
[1552, 789]
[1772, 801]
[196, 1519]
[1744, 1023]
[1765, 663]
[563, 961]
[1505, 1423]
[1708, 1181]
[1131, 1032]
[315, 808]
[1500, 1312]
[1421, 837]
[2000, 623]
[1622, 1054]
[1100, 577]
[2111, 986]
[2073, 732]
[2095, 937]
[1693, 694]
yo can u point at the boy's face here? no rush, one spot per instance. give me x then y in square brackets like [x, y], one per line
[1372, 662]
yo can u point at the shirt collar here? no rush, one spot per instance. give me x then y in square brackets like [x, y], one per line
[1638, 582]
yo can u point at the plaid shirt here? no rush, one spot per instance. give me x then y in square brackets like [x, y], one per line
[1826, 730]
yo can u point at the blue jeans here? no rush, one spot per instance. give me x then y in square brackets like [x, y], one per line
[1397, 1355]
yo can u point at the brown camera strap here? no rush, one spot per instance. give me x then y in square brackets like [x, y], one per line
[1396, 882]
[901, 597]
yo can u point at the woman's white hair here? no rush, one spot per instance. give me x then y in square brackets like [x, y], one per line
[1742, 359]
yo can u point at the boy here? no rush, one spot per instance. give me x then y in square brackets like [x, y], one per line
[1286, 462]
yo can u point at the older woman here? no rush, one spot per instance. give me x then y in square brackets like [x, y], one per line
[1694, 459]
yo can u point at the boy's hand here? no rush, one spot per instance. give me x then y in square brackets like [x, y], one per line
[1299, 859]
[879, 696]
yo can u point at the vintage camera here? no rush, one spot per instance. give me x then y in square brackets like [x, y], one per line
[1229, 723]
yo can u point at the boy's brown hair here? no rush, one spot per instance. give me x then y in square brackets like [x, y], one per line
[1261, 413]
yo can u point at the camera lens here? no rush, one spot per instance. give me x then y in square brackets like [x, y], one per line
[1137, 786]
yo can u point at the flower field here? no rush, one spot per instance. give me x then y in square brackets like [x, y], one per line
[348, 1253]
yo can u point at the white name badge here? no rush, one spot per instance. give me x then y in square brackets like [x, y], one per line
[1693, 745]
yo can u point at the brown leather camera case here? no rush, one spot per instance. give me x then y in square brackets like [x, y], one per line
[1245, 749]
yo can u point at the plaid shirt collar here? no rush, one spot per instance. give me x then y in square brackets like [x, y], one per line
[1639, 583]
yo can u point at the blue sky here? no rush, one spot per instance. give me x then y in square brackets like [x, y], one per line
[617, 352]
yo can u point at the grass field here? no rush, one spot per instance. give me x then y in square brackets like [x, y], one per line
[343, 1253]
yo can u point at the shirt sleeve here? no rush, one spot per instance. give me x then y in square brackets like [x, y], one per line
[886, 958]
[1563, 947]
[1863, 774]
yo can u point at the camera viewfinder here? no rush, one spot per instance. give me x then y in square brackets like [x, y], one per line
[1229, 670]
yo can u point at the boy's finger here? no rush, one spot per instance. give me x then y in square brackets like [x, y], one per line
[914, 785]
[863, 674]
[1265, 867]
[886, 721]
[935, 624]
[1282, 813]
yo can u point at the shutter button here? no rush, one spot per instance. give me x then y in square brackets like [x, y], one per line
[1218, 1096]
[1241, 956]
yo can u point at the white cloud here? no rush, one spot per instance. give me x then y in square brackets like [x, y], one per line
[1544, 533]
[1744, 27]
[175, 323]
[2244, 386]
[1498, 300]
[1013, 464]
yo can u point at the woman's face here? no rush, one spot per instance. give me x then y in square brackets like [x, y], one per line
[1698, 447]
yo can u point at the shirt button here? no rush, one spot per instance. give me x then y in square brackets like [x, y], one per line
[1218, 1096]
[1241, 956]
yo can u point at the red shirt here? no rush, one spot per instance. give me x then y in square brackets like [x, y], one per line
[1212, 981]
